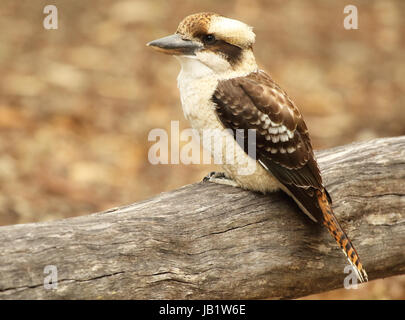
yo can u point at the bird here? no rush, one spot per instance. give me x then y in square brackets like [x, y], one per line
[223, 91]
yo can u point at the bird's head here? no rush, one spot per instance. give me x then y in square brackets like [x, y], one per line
[219, 43]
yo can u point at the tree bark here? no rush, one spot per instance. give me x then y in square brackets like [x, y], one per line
[208, 241]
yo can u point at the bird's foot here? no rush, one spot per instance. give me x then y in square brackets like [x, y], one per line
[220, 178]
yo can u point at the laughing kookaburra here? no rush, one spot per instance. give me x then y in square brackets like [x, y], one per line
[222, 88]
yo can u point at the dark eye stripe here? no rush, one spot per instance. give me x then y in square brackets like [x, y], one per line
[232, 54]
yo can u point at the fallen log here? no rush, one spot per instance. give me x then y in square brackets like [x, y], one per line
[208, 241]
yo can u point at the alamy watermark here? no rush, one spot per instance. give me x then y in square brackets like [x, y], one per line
[51, 278]
[351, 21]
[51, 20]
[351, 280]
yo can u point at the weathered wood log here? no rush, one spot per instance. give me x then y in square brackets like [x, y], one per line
[210, 241]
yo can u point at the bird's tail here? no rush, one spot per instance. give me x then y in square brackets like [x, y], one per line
[330, 221]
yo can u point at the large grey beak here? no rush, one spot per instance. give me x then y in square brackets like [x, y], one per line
[175, 45]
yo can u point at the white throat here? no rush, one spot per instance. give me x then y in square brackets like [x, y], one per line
[193, 68]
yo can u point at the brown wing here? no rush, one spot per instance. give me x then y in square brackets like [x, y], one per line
[283, 146]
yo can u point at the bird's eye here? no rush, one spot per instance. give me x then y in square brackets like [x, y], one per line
[209, 39]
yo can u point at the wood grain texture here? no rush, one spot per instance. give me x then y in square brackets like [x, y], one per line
[207, 241]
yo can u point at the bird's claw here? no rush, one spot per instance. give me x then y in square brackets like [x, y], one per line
[214, 175]
[220, 178]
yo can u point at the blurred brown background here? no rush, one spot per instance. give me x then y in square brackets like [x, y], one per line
[77, 103]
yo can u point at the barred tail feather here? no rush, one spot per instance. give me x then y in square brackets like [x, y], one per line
[334, 228]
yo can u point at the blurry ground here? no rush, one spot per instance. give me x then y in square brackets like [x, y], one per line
[77, 103]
